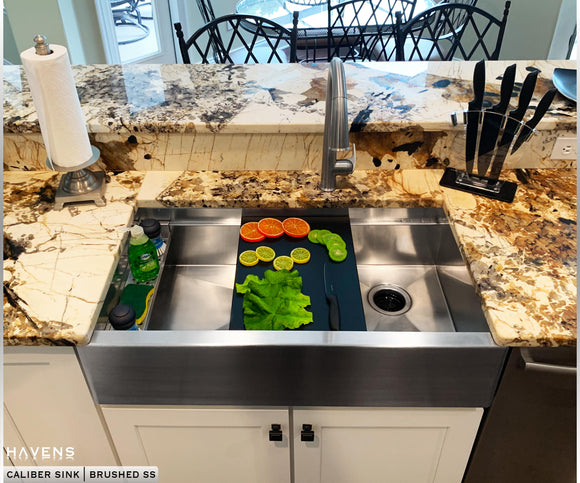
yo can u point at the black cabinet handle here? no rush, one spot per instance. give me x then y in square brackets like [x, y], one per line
[307, 434]
[275, 433]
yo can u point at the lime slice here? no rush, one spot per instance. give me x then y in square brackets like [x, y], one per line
[337, 253]
[334, 239]
[300, 255]
[322, 234]
[265, 254]
[283, 263]
[248, 258]
[313, 236]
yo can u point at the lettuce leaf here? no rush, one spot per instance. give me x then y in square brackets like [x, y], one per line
[275, 302]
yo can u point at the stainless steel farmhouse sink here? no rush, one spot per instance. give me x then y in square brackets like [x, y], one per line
[412, 330]
[410, 271]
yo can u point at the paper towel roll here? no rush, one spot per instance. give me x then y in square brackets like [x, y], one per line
[58, 107]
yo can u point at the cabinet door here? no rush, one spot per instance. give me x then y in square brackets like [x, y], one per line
[380, 445]
[47, 404]
[202, 444]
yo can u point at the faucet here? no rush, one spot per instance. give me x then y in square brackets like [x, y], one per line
[335, 128]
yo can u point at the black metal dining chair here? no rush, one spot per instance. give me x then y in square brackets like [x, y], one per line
[358, 30]
[456, 20]
[451, 31]
[349, 29]
[380, 44]
[206, 10]
[240, 39]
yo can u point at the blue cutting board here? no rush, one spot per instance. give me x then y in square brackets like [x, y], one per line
[344, 274]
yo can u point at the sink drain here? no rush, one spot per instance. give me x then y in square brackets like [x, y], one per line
[389, 299]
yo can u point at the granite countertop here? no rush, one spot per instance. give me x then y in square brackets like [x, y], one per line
[522, 256]
[276, 98]
[162, 129]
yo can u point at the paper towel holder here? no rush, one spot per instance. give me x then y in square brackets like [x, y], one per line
[79, 184]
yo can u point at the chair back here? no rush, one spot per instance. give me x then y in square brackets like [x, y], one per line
[457, 18]
[206, 10]
[364, 29]
[451, 31]
[240, 39]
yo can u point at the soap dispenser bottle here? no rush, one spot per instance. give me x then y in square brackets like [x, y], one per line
[143, 258]
[152, 229]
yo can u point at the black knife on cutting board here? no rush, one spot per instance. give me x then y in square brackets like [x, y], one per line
[513, 122]
[473, 113]
[332, 299]
[493, 120]
[527, 129]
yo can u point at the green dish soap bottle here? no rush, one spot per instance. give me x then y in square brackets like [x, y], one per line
[142, 256]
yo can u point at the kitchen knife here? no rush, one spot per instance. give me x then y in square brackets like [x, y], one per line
[493, 120]
[473, 113]
[527, 129]
[513, 122]
[332, 299]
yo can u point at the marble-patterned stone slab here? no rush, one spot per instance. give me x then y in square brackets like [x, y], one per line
[521, 256]
[272, 98]
[58, 264]
[199, 117]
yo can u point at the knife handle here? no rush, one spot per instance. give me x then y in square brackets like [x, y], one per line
[526, 94]
[526, 130]
[333, 312]
[478, 86]
[506, 89]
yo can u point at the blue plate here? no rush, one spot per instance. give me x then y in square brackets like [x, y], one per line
[565, 82]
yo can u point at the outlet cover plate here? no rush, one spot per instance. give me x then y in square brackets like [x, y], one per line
[564, 148]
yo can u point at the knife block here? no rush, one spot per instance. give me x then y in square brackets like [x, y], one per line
[480, 184]
[495, 189]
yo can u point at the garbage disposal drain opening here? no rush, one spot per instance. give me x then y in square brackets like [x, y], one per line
[389, 299]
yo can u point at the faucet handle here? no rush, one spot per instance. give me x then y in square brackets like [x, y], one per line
[346, 165]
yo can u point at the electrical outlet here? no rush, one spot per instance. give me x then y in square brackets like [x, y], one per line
[564, 148]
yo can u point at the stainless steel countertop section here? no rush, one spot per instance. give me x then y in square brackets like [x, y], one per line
[300, 369]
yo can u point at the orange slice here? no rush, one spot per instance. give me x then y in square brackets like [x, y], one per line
[249, 232]
[296, 227]
[271, 227]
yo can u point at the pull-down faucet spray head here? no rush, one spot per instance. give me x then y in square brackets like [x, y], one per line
[335, 128]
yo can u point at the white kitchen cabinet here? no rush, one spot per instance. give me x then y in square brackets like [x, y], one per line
[396, 445]
[203, 444]
[50, 417]
[349, 445]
